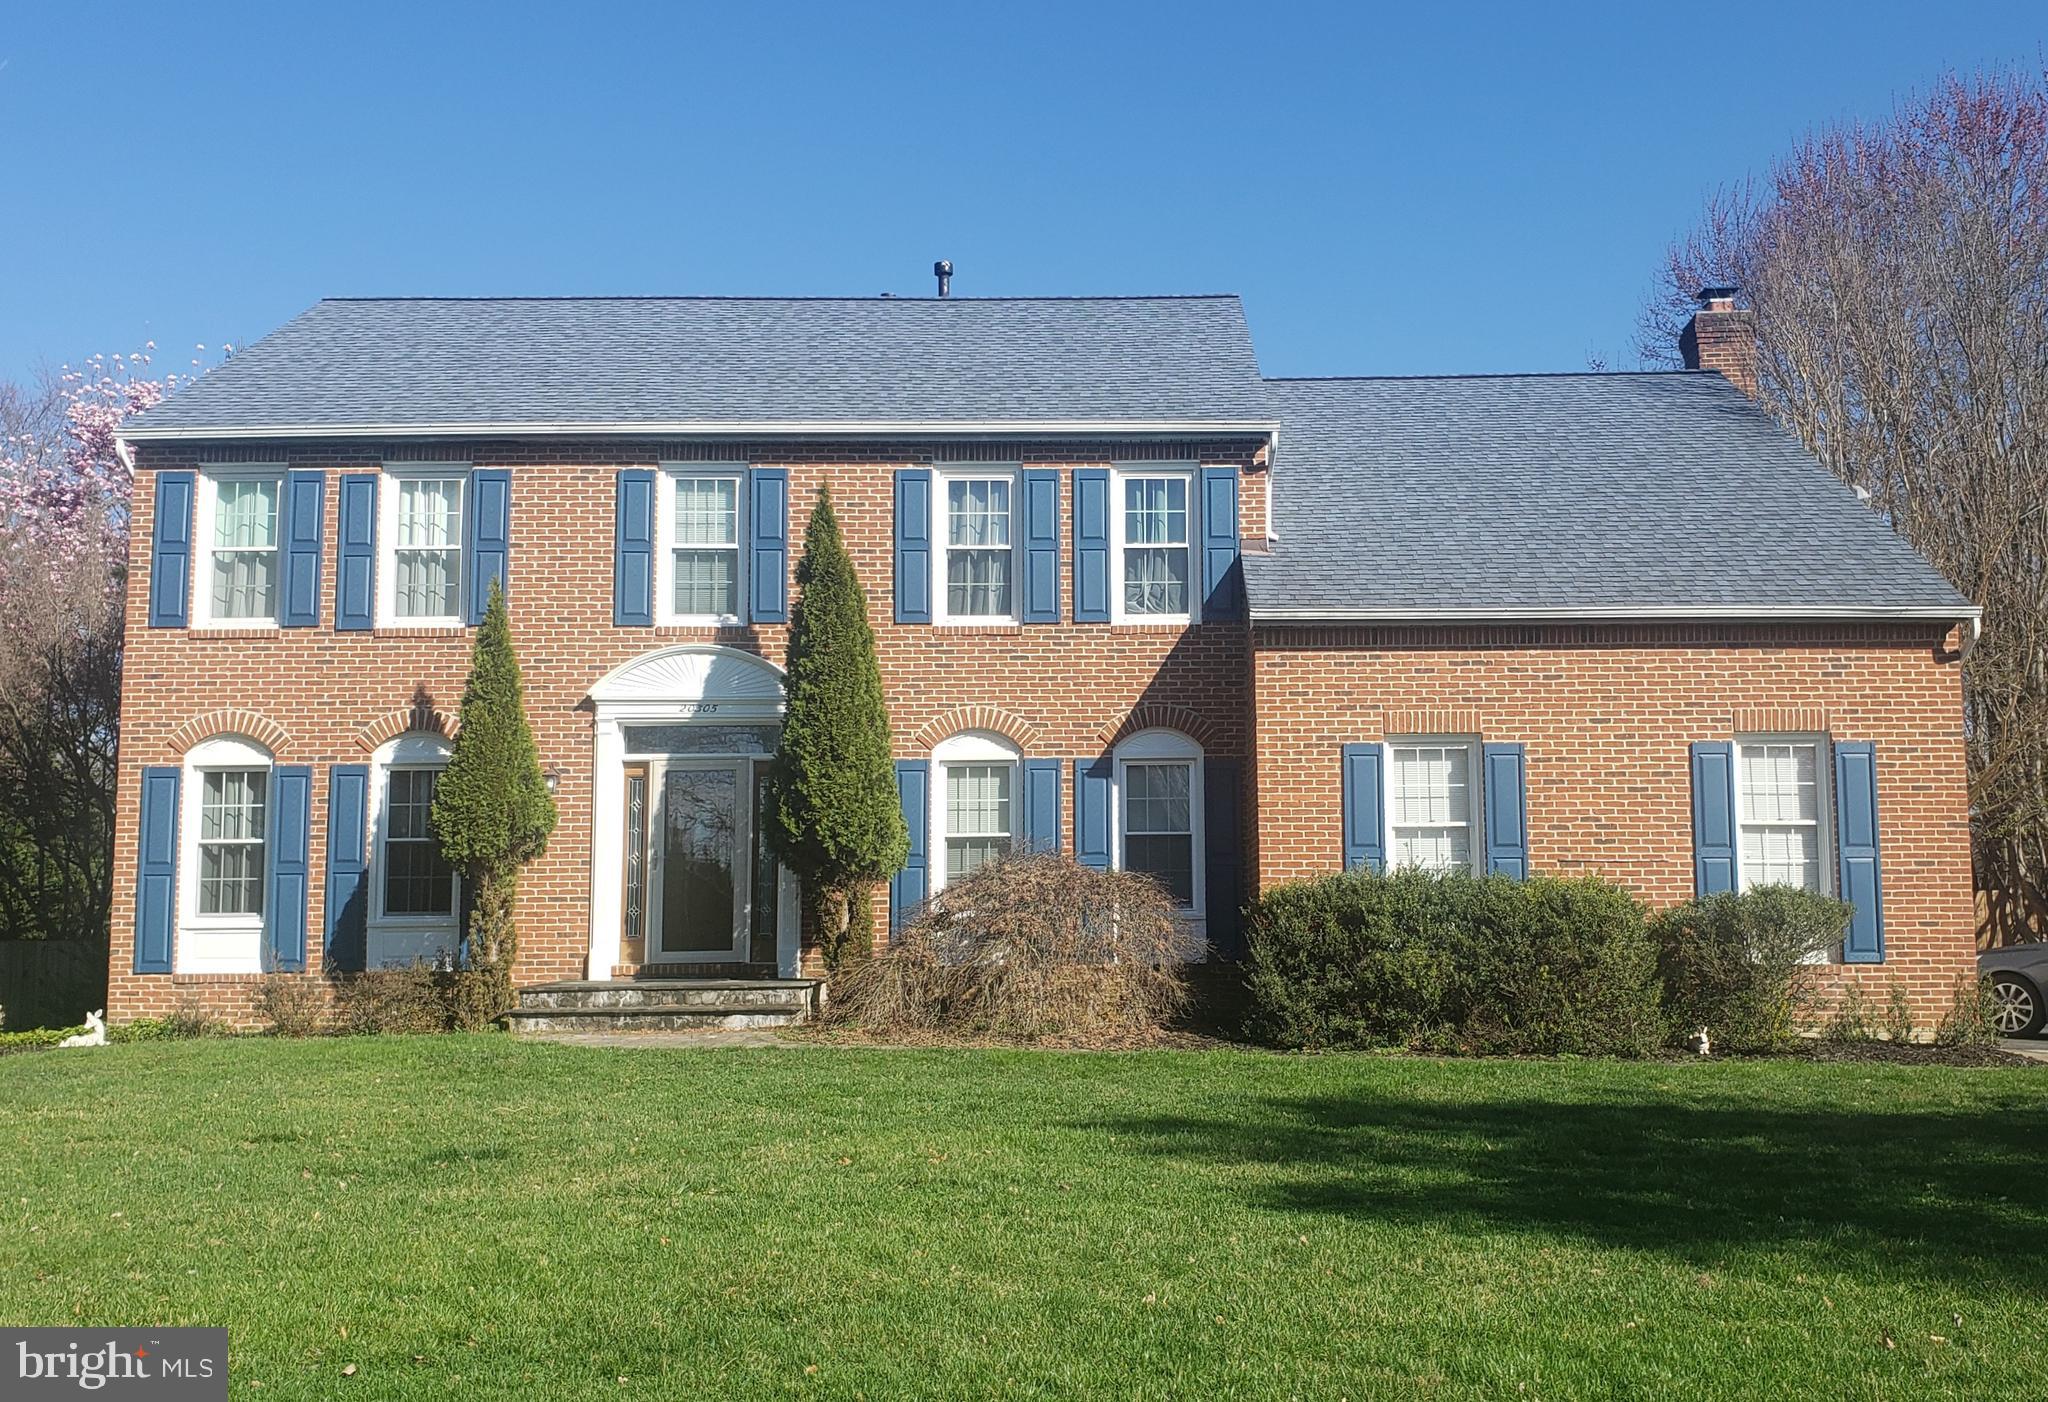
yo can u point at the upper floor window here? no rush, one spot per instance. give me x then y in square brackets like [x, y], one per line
[977, 561]
[975, 820]
[1782, 801]
[237, 531]
[1432, 804]
[1153, 534]
[701, 578]
[1159, 812]
[421, 572]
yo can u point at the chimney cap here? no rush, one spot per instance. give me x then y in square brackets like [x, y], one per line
[1717, 298]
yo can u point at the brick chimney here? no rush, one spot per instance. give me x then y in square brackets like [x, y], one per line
[1721, 338]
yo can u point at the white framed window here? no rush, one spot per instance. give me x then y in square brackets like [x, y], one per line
[1433, 803]
[975, 529]
[1782, 806]
[974, 814]
[419, 574]
[698, 571]
[1159, 813]
[415, 897]
[1152, 541]
[237, 566]
[225, 863]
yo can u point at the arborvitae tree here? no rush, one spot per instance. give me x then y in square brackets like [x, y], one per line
[833, 812]
[492, 812]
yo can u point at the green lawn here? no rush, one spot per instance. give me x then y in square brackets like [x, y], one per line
[476, 1216]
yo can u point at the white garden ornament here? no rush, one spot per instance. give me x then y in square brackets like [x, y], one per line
[95, 1034]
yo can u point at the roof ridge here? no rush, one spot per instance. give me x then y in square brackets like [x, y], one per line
[873, 297]
[1487, 375]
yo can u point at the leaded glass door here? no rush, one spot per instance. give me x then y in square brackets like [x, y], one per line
[699, 846]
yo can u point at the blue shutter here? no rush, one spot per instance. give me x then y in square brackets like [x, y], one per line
[1091, 545]
[1041, 546]
[170, 565]
[1222, 579]
[355, 555]
[1365, 806]
[1856, 848]
[284, 914]
[156, 870]
[348, 865]
[1713, 817]
[1042, 805]
[768, 545]
[1507, 812]
[1222, 836]
[633, 548]
[305, 511]
[908, 887]
[914, 546]
[487, 554]
[1093, 798]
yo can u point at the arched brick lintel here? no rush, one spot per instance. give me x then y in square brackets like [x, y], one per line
[1154, 715]
[1018, 731]
[252, 725]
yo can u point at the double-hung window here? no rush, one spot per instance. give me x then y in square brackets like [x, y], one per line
[1154, 531]
[1782, 802]
[1432, 804]
[238, 534]
[417, 878]
[977, 558]
[422, 569]
[975, 819]
[701, 578]
[224, 866]
[1159, 812]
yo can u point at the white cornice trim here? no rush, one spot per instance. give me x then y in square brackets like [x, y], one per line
[1727, 612]
[904, 428]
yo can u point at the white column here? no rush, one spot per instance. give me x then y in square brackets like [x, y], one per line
[607, 847]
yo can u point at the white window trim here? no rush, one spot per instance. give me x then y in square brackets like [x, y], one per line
[1154, 746]
[205, 505]
[1824, 798]
[1188, 472]
[220, 944]
[387, 541]
[977, 472]
[665, 545]
[1475, 817]
[968, 747]
[411, 751]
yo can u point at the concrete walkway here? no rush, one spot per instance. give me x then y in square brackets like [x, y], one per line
[2026, 1047]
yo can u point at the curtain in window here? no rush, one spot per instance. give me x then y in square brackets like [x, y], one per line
[978, 548]
[1429, 795]
[977, 816]
[707, 557]
[231, 841]
[245, 549]
[1155, 545]
[428, 555]
[1781, 815]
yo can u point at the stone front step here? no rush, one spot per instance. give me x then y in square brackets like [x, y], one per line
[664, 1005]
[655, 1019]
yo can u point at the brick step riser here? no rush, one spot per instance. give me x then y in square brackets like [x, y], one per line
[651, 1020]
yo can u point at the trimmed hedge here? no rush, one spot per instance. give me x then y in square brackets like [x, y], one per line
[1740, 965]
[1454, 963]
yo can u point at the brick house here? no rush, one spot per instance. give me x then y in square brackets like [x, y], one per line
[1134, 601]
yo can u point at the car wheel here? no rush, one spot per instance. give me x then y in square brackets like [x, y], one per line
[2015, 1006]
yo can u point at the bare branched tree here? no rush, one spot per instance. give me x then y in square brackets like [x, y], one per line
[1898, 272]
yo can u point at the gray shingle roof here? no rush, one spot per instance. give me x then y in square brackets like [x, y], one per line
[681, 361]
[1534, 493]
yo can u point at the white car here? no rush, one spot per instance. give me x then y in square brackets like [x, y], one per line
[2019, 987]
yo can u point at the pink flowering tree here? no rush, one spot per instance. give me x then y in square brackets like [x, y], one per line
[65, 491]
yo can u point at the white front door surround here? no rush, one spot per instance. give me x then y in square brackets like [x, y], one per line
[691, 683]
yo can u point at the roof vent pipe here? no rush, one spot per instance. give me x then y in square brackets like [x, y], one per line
[943, 271]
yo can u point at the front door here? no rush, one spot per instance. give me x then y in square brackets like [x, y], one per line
[700, 845]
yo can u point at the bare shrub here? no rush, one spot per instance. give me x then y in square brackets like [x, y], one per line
[292, 1005]
[1029, 947]
[189, 1018]
[1967, 1023]
[413, 999]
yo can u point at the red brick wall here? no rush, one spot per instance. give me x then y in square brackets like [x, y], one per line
[319, 697]
[1608, 715]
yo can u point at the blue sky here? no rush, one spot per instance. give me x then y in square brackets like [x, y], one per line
[1426, 188]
